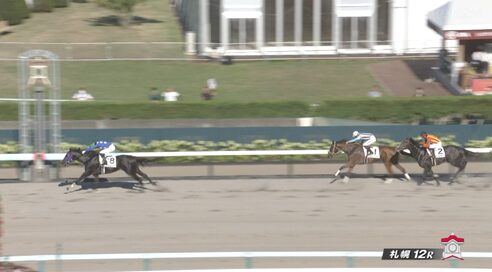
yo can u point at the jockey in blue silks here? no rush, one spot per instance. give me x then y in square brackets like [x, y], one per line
[365, 138]
[103, 146]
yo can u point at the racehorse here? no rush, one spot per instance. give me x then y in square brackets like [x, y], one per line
[355, 155]
[90, 159]
[455, 155]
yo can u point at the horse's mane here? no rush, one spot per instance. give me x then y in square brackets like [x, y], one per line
[413, 141]
[75, 149]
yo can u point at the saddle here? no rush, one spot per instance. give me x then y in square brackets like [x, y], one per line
[431, 155]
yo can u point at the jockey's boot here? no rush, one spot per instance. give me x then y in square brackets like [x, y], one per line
[103, 162]
[369, 151]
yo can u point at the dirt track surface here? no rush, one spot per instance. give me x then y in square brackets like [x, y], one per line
[254, 214]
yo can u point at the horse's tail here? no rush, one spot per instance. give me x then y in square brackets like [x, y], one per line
[470, 153]
[144, 161]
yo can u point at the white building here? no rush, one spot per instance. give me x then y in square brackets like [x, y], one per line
[309, 27]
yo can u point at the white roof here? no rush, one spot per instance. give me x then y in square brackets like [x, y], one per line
[462, 15]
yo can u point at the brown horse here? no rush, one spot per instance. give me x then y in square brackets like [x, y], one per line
[355, 155]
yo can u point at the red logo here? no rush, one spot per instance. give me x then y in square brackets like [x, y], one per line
[452, 247]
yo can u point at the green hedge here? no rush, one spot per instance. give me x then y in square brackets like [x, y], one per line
[406, 109]
[384, 109]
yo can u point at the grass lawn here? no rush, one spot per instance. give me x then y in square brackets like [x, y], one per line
[309, 81]
[86, 22]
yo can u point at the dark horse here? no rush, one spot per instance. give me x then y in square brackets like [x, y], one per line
[455, 155]
[129, 164]
[355, 155]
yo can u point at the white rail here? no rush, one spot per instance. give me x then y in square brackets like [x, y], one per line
[208, 255]
[194, 255]
[59, 156]
[247, 256]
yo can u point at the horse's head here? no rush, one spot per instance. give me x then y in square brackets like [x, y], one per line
[72, 154]
[332, 150]
[335, 147]
[404, 144]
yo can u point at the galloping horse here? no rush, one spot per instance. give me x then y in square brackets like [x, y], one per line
[355, 155]
[455, 155]
[90, 159]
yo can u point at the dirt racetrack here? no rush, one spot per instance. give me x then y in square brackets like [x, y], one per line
[245, 214]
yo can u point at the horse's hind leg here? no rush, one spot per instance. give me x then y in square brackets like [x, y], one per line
[403, 170]
[136, 177]
[431, 173]
[461, 168]
[141, 173]
[387, 164]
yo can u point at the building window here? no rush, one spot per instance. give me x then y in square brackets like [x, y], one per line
[214, 17]
[270, 19]
[250, 33]
[234, 34]
[289, 21]
[307, 22]
[326, 22]
[346, 27]
[362, 32]
[383, 22]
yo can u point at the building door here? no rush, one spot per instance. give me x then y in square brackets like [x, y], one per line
[354, 32]
[242, 33]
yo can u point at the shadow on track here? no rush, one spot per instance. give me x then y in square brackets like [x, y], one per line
[92, 184]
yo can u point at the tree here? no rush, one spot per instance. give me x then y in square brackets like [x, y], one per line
[125, 7]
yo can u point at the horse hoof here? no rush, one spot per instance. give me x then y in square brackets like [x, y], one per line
[388, 181]
[337, 173]
[407, 176]
[345, 179]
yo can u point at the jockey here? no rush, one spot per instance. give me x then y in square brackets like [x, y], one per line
[429, 141]
[367, 139]
[104, 147]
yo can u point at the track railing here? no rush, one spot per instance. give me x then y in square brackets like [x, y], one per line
[247, 256]
[59, 156]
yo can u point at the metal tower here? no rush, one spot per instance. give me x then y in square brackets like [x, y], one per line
[38, 77]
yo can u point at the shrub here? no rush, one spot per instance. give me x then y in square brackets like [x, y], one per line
[43, 5]
[13, 11]
[61, 3]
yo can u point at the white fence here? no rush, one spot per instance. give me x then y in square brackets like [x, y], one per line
[102, 51]
[59, 156]
[247, 256]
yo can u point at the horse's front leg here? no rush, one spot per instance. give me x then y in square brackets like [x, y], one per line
[428, 171]
[341, 168]
[81, 178]
[348, 173]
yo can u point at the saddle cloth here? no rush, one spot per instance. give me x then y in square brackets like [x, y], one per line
[110, 160]
[375, 152]
[439, 152]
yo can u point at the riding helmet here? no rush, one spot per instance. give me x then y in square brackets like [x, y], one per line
[355, 133]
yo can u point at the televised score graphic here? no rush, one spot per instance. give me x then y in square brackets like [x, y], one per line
[452, 250]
